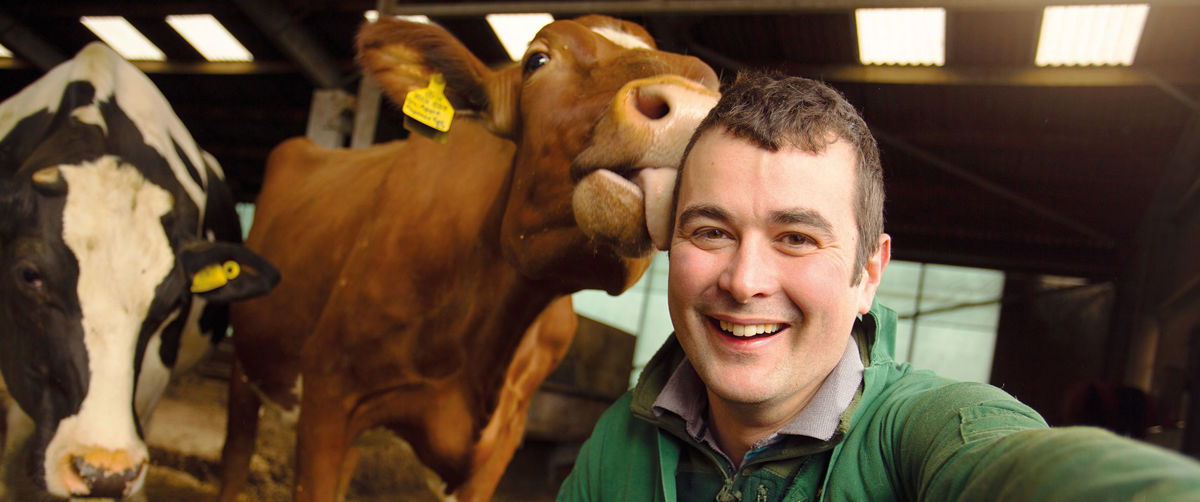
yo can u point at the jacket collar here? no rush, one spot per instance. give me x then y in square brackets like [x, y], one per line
[873, 331]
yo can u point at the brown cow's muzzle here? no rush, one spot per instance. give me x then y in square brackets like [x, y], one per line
[101, 473]
[626, 175]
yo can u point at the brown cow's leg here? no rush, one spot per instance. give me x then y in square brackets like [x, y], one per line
[491, 457]
[347, 472]
[541, 349]
[321, 442]
[440, 433]
[241, 429]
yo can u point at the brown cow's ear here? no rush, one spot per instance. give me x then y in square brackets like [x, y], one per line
[504, 91]
[402, 56]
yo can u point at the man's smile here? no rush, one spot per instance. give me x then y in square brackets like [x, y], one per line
[760, 330]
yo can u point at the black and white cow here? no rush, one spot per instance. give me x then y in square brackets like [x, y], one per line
[108, 211]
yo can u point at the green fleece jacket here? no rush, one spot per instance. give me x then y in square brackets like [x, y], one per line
[908, 435]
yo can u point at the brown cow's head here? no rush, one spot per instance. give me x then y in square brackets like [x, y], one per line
[600, 119]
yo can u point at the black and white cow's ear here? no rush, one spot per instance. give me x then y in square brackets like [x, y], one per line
[49, 181]
[222, 272]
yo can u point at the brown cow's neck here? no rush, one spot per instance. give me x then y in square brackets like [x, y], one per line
[461, 295]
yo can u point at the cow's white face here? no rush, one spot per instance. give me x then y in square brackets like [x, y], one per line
[112, 225]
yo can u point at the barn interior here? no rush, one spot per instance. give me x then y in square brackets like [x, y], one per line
[1043, 214]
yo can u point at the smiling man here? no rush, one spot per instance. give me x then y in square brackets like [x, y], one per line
[779, 383]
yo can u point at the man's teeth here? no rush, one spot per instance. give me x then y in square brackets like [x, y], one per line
[747, 330]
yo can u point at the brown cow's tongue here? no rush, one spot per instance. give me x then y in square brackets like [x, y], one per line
[625, 212]
[657, 185]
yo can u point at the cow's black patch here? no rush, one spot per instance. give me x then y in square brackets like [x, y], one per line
[16, 146]
[125, 140]
[221, 219]
[187, 163]
[42, 354]
[45, 139]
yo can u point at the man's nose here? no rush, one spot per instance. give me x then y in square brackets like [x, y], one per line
[749, 273]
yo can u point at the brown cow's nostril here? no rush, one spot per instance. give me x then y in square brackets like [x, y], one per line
[104, 483]
[652, 105]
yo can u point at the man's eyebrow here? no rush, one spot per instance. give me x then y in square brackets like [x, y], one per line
[799, 216]
[703, 211]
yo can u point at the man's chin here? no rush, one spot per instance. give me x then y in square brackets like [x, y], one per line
[740, 390]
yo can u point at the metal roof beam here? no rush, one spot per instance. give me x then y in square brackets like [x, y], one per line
[993, 187]
[294, 40]
[27, 44]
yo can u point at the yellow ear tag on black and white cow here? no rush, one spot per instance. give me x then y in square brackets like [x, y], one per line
[214, 276]
[427, 111]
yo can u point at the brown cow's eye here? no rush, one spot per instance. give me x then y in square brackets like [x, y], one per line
[535, 61]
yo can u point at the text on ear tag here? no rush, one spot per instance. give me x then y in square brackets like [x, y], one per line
[215, 276]
[429, 106]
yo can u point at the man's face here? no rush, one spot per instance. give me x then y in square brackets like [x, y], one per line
[760, 267]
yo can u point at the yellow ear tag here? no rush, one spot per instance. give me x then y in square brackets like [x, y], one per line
[215, 276]
[429, 108]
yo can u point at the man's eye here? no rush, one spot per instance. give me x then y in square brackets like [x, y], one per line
[797, 240]
[709, 233]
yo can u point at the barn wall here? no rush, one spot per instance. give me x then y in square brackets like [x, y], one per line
[1160, 305]
[1051, 341]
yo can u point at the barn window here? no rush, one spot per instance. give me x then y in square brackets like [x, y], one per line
[948, 316]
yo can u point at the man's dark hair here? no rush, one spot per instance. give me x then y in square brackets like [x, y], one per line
[775, 111]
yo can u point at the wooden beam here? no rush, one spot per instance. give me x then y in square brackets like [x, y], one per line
[215, 68]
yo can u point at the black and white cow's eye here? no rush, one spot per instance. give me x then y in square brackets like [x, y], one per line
[536, 60]
[30, 276]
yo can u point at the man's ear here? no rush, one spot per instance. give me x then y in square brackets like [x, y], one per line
[221, 272]
[873, 273]
[402, 56]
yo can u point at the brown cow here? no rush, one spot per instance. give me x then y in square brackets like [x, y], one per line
[425, 285]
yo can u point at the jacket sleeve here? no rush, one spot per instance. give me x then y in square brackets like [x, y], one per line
[975, 442]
